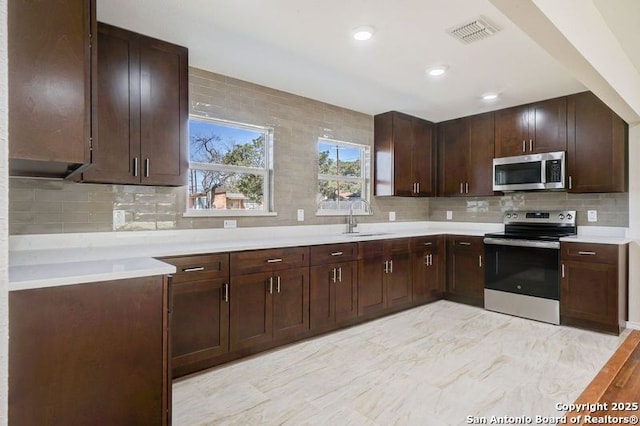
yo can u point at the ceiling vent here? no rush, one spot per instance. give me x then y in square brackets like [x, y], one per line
[476, 30]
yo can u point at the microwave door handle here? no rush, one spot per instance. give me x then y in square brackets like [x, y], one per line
[543, 171]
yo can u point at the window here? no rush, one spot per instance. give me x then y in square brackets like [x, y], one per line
[230, 168]
[343, 178]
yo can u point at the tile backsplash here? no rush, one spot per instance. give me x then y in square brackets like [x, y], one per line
[613, 209]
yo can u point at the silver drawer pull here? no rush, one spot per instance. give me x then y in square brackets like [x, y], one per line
[428, 244]
[194, 269]
[274, 260]
[464, 243]
[226, 292]
[336, 253]
[587, 253]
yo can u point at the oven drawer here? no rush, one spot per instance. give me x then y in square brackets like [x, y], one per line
[589, 252]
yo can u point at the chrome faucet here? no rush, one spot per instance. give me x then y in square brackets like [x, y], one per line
[352, 224]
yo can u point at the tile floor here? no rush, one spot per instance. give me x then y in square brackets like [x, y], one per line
[432, 365]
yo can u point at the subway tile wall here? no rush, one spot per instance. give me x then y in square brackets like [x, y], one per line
[55, 206]
[613, 209]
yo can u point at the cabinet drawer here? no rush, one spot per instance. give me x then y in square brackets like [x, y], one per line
[424, 243]
[331, 253]
[398, 245]
[368, 249]
[248, 262]
[465, 243]
[588, 252]
[201, 267]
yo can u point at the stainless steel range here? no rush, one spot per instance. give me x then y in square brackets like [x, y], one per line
[522, 264]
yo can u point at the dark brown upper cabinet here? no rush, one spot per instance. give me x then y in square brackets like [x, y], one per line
[49, 68]
[465, 149]
[532, 128]
[598, 143]
[404, 154]
[142, 110]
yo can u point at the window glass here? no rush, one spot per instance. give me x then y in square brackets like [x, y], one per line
[229, 166]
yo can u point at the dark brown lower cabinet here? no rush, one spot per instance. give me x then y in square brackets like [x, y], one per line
[268, 306]
[90, 354]
[334, 294]
[427, 258]
[384, 276]
[465, 269]
[593, 286]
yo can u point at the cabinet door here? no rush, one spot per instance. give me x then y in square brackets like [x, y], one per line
[480, 159]
[403, 137]
[116, 144]
[428, 267]
[163, 112]
[512, 131]
[597, 148]
[453, 142]
[250, 315]
[199, 321]
[589, 291]
[49, 70]
[465, 271]
[422, 160]
[548, 126]
[88, 354]
[372, 295]
[398, 280]
[322, 296]
[290, 303]
[346, 291]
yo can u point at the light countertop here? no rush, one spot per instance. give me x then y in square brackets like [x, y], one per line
[37, 261]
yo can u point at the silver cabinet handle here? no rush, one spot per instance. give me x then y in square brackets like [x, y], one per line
[587, 253]
[524, 146]
[426, 260]
[336, 253]
[466, 188]
[427, 244]
[225, 289]
[278, 283]
[530, 144]
[270, 285]
[464, 243]
[562, 270]
[194, 269]
[418, 186]
[480, 261]
[340, 274]
[461, 188]
[391, 266]
[135, 166]
[147, 166]
[386, 266]
[274, 260]
[570, 183]
[430, 260]
[333, 275]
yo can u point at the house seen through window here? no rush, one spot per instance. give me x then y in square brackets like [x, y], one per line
[230, 167]
[343, 170]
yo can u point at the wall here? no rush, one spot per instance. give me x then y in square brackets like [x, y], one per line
[613, 209]
[4, 239]
[55, 206]
[634, 225]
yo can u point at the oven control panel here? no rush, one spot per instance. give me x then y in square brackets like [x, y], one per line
[565, 217]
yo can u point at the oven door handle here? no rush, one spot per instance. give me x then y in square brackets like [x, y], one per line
[523, 243]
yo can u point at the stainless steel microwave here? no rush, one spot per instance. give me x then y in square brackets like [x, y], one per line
[525, 172]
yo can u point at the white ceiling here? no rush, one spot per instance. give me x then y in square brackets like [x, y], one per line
[304, 47]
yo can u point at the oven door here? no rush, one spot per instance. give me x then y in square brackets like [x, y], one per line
[523, 267]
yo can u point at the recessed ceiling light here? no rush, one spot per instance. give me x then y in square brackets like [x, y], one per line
[363, 33]
[489, 96]
[437, 71]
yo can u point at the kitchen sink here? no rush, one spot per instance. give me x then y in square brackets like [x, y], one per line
[364, 234]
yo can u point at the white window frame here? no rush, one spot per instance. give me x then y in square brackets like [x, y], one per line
[266, 172]
[364, 179]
